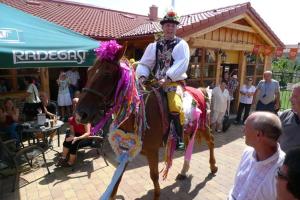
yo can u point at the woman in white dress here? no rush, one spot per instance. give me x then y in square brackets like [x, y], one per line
[64, 98]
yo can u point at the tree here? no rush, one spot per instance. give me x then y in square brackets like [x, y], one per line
[286, 69]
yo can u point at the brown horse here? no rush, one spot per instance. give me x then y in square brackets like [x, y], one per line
[99, 96]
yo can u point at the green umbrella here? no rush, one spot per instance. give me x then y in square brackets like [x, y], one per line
[27, 41]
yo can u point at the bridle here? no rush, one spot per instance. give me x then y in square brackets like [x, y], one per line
[94, 92]
[104, 97]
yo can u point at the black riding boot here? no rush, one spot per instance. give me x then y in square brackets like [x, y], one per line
[179, 130]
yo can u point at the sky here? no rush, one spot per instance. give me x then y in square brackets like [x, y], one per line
[280, 15]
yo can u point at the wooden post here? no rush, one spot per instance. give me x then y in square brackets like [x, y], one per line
[218, 70]
[14, 80]
[268, 63]
[242, 76]
[44, 75]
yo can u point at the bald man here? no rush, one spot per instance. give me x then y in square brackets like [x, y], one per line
[255, 177]
[268, 94]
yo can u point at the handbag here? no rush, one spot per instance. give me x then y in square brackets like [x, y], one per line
[226, 122]
[31, 109]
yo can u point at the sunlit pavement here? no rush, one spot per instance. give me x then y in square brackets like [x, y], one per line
[91, 175]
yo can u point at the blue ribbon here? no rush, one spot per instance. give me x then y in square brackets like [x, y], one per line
[123, 159]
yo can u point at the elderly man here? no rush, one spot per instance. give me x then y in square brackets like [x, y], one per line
[47, 107]
[268, 92]
[290, 119]
[255, 177]
[50, 109]
[288, 177]
[167, 59]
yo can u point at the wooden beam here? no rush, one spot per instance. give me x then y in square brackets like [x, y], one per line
[259, 31]
[240, 27]
[196, 43]
[218, 73]
[216, 26]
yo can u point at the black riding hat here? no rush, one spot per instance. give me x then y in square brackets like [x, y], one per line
[170, 17]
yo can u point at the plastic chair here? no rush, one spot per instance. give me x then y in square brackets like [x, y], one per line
[10, 156]
[96, 142]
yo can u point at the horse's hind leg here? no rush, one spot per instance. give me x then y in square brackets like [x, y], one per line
[115, 190]
[186, 164]
[152, 156]
[209, 138]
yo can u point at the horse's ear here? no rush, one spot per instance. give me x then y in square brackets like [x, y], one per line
[122, 51]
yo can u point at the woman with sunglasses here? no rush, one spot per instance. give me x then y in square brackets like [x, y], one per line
[247, 92]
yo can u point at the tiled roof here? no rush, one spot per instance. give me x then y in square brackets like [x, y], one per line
[88, 20]
[186, 20]
[144, 29]
[192, 23]
[101, 23]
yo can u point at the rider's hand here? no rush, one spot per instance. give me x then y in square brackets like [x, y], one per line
[162, 81]
[142, 79]
[168, 80]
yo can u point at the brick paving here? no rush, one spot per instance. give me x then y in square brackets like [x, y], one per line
[91, 175]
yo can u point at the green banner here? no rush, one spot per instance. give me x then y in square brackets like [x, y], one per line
[27, 41]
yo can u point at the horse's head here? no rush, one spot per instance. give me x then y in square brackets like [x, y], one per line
[98, 94]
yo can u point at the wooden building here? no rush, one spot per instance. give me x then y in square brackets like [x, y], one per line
[220, 40]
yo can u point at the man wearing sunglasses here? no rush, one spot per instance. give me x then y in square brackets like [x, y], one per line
[288, 177]
[255, 177]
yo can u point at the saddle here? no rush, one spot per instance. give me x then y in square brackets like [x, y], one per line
[189, 93]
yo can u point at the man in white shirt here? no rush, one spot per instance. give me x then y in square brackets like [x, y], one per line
[255, 177]
[32, 95]
[220, 102]
[167, 60]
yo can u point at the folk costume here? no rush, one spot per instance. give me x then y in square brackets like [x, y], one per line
[168, 59]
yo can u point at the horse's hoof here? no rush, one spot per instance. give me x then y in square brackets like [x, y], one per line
[180, 177]
[214, 169]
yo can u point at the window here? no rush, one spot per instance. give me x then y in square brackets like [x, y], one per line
[255, 67]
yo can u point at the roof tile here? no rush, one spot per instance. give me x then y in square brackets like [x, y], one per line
[88, 20]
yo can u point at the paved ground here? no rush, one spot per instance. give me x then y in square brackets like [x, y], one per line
[91, 176]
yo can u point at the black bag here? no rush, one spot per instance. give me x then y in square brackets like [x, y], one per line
[31, 109]
[226, 122]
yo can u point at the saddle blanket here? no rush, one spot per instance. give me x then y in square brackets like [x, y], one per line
[192, 95]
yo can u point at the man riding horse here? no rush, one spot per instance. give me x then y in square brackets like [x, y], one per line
[167, 59]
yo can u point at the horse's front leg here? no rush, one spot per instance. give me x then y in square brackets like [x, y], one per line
[152, 157]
